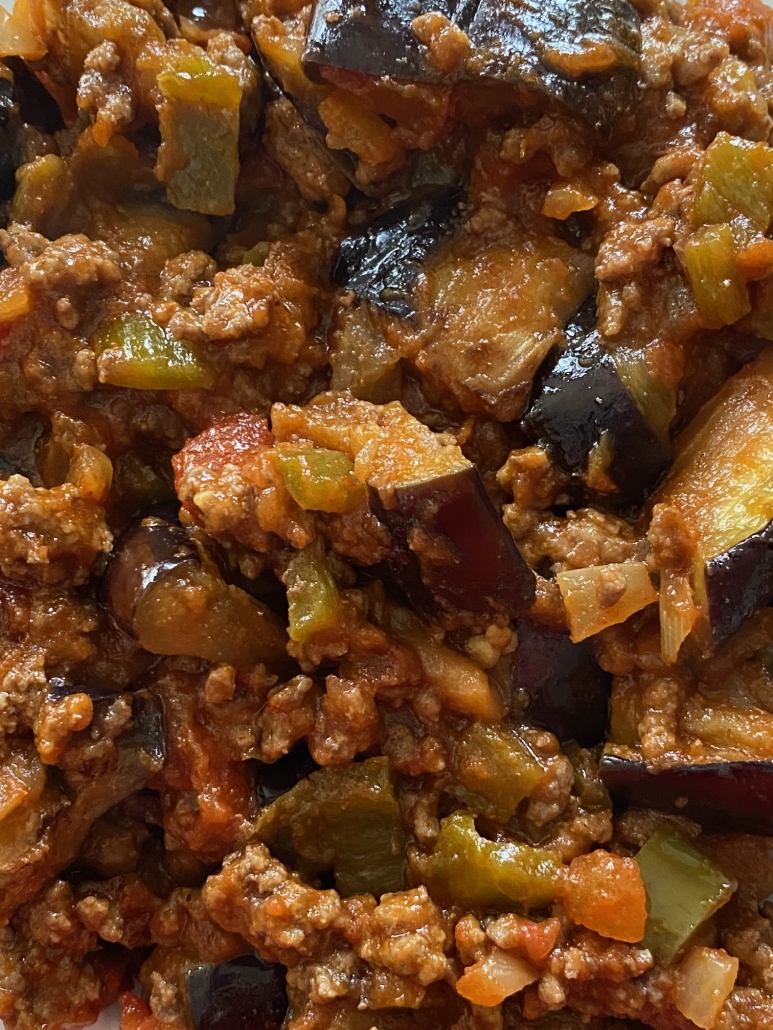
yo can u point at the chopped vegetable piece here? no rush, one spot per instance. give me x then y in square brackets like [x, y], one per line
[312, 593]
[382, 262]
[321, 480]
[605, 893]
[684, 888]
[721, 483]
[604, 595]
[720, 290]
[134, 352]
[467, 870]
[580, 399]
[199, 123]
[736, 178]
[720, 795]
[347, 820]
[706, 978]
[497, 976]
[244, 993]
[15, 297]
[493, 771]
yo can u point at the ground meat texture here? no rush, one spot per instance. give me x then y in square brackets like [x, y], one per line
[323, 294]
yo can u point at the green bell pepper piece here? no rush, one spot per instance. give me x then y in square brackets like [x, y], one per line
[134, 352]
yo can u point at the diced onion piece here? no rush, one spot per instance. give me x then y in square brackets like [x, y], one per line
[565, 198]
[678, 613]
[17, 37]
[15, 298]
[706, 978]
[496, 977]
[604, 595]
[91, 471]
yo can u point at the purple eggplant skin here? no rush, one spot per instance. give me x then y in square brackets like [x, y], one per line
[375, 36]
[577, 396]
[537, 45]
[722, 796]
[739, 583]
[381, 263]
[471, 571]
[243, 993]
[274, 780]
[145, 555]
[568, 691]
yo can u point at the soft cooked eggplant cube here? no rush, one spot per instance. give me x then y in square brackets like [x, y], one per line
[454, 556]
[244, 993]
[568, 690]
[732, 796]
[381, 263]
[739, 583]
[375, 36]
[584, 55]
[581, 403]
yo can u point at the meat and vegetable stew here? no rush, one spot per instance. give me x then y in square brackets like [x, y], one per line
[386, 514]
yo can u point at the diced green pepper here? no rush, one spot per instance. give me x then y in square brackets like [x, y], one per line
[468, 870]
[133, 351]
[736, 179]
[321, 480]
[493, 771]
[312, 593]
[199, 125]
[257, 255]
[347, 820]
[684, 888]
[720, 290]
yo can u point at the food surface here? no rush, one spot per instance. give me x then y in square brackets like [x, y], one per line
[386, 514]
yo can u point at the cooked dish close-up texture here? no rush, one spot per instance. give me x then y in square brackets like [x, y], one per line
[386, 514]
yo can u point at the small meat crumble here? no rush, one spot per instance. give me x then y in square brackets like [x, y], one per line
[386, 514]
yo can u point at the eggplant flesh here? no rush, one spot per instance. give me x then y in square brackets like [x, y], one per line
[723, 796]
[382, 263]
[453, 555]
[567, 689]
[244, 993]
[581, 403]
[584, 55]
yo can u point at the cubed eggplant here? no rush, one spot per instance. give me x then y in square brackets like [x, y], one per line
[453, 556]
[732, 796]
[568, 691]
[375, 37]
[584, 412]
[720, 484]
[585, 55]
[170, 595]
[244, 993]
[382, 262]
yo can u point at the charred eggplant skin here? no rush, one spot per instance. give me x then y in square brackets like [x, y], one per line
[472, 570]
[244, 993]
[578, 396]
[381, 263]
[568, 690]
[739, 583]
[730, 796]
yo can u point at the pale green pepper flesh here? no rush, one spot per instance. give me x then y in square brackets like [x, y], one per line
[494, 771]
[134, 352]
[312, 594]
[321, 480]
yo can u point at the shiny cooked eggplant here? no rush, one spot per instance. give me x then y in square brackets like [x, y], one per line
[731, 796]
[583, 55]
[169, 594]
[453, 555]
[568, 692]
[721, 486]
[587, 416]
[381, 263]
[244, 993]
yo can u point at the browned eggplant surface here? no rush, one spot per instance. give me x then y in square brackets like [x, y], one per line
[386, 514]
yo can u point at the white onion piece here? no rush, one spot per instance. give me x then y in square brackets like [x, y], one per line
[706, 978]
[678, 613]
[17, 38]
[604, 595]
[495, 978]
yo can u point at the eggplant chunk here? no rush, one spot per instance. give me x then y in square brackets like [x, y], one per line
[454, 556]
[244, 993]
[381, 263]
[585, 55]
[375, 36]
[732, 796]
[170, 596]
[583, 411]
[568, 691]
[721, 484]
